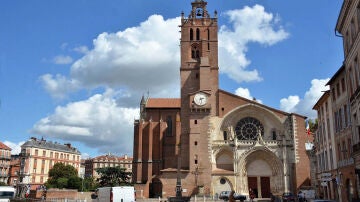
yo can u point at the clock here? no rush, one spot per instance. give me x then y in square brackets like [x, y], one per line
[200, 99]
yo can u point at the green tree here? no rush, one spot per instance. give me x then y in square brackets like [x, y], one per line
[63, 176]
[89, 184]
[3, 184]
[113, 176]
[313, 125]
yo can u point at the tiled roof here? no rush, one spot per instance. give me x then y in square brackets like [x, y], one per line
[163, 103]
[110, 157]
[3, 146]
[42, 144]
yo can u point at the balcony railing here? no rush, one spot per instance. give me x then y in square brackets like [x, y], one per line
[244, 142]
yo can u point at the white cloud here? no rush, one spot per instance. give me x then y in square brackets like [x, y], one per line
[62, 60]
[97, 122]
[131, 60]
[15, 147]
[249, 25]
[304, 106]
[244, 92]
[59, 86]
[82, 49]
[289, 104]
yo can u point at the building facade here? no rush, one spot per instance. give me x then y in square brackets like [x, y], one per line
[5, 158]
[107, 160]
[348, 25]
[210, 140]
[38, 156]
[342, 123]
[330, 164]
[14, 172]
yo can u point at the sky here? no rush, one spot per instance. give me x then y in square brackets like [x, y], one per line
[74, 71]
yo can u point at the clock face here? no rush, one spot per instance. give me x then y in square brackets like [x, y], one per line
[200, 99]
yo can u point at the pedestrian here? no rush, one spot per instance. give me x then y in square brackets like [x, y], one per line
[251, 194]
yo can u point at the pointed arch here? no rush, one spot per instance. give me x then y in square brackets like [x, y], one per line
[197, 34]
[191, 34]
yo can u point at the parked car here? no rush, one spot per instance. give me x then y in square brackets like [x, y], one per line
[288, 196]
[321, 200]
[239, 197]
[225, 195]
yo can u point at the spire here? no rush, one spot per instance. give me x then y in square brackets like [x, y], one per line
[142, 107]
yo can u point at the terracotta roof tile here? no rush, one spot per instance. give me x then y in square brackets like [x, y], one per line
[163, 103]
[3, 146]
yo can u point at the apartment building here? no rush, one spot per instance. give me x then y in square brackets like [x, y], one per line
[325, 152]
[5, 157]
[14, 173]
[38, 156]
[107, 160]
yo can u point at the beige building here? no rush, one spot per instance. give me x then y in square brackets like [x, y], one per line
[107, 160]
[343, 103]
[5, 158]
[38, 156]
[327, 167]
[213, 140]
[348, 25]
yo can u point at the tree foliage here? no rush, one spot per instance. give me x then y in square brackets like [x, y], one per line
[113, 176]
[313, 125]
[63, 176]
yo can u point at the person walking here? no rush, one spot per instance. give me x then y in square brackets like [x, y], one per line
[251, 195]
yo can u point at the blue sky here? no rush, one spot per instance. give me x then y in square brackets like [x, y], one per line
[74, 71]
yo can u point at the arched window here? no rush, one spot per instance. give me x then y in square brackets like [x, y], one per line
[191, 34]
[274, 135]
[225, 135]
[195, 52]
[197, 34]
[169, 126]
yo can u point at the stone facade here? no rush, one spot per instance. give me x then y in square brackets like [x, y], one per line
[211, 140]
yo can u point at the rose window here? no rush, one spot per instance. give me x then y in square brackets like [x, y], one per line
[248, 129]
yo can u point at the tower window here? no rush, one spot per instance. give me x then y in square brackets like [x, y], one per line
[197, 34]
[191, 34]
[195, 143]
[208, 34]
[195, 52]
[197, 75]
[169, 126]
[195, 121]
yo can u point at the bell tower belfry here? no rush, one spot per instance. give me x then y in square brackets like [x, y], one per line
[199, 90]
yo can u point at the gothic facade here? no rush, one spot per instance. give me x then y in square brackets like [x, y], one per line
[211, 140]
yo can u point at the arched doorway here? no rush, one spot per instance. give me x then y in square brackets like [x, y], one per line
[155, 188]
[262, 171]
[259, 173]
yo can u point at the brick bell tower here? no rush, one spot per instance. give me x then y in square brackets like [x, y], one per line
[199, 91]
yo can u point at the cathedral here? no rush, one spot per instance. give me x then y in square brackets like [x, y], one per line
[210, 140]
